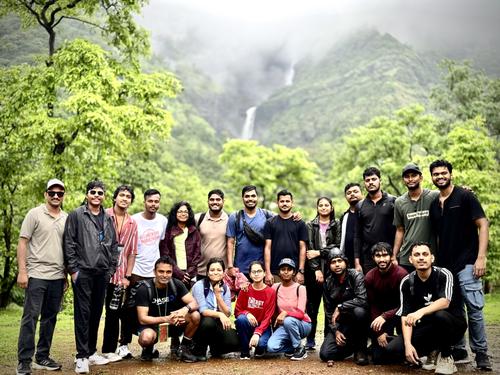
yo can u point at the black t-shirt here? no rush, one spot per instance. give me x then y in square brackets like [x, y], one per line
[161, 301]
[285, 234]
[350, 228]
[455, 228]
[440, 284]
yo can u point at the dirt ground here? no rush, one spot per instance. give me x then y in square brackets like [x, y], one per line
[264, 366]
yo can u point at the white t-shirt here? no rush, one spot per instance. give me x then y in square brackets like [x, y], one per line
[151, 232]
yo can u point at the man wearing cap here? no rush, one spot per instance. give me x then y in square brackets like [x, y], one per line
[40, 263]
[346, 311]
[411, 216]
[91, 257]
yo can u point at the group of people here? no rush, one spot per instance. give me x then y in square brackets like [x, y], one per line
[395, 271]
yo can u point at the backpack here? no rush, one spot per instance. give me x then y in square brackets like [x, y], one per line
[206, 287]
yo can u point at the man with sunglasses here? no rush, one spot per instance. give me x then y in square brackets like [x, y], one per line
[90, 255]
[41, 273]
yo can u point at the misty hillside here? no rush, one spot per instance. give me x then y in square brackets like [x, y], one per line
[367, 74]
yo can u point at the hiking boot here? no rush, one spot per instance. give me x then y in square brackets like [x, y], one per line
[299, 354]
[98, 360]
[23, 368]
[149, 353]
[82, 366]
[46, 364]
[112, 357]
[124, 352]
[186, 352]
[360, 358]
[483, 361]
[460, 356]
[445, 365]
[259, 352]
[200, 351]
[430, 363]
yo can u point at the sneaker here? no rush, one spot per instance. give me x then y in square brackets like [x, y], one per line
[46, 364]
[259, 352]
[299, 354]
[445, 365]
[112, 357]
[244, 356]
[289, 354]
[124, 352]
[149, 353]
[360, 358]
[460, 356]
[186, 353]
[174, 347]
[430, 362]
[97, 360]
[23, 368]
[483, 361]
[82, 366]
[310, 345]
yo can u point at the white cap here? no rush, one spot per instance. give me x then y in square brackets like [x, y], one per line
[53, 182]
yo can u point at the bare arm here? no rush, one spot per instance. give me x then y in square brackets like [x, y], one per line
[480, 264]
[410, 351]
[22, 277]
[230, 254]
[145, 319]
[398, 241]
[267, 262]
[302, 261]
[414, 317]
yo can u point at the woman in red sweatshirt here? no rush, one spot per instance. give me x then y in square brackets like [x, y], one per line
[254, 311]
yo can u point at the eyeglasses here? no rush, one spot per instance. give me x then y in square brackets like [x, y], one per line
[52, 194]
[96, 192]
[256, 272]
[182, 212]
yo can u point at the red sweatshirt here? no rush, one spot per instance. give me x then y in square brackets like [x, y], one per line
[260, 303]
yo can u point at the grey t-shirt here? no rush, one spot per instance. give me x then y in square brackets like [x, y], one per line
[414, 217]
[44, 258]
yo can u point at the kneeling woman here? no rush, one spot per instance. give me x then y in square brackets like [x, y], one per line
[254, 311]
[292, 323]
[214, 300]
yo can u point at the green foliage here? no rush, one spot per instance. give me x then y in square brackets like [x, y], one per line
[270, 169]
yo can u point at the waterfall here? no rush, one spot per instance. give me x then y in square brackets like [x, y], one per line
[290, 75]
[247, 132]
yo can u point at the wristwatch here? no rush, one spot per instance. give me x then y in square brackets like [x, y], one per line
[301, 270]
[340, 306]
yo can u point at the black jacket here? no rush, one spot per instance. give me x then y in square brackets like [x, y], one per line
[83, 250]
[351, 293]
[314, 243]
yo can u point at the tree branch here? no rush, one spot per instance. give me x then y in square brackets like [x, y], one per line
[82, 21]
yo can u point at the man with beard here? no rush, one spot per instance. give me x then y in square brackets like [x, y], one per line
[242, 249]
[285, 238]
[91, 257]
[375, 217]
[382, 286]
[212, 226]
[40, 262]
[346, 312]
[462, 230]
[411, 216]
[165, 300]
[431, 315]
[349, 220]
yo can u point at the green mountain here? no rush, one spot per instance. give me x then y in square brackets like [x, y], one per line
[365, 75]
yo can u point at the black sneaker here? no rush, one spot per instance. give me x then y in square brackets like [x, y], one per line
[483, 361]
[174, 347]
[46, 364]
[149, 353]
[289, 354]
[245, 356]
[259, 352]
[186, 353]
[460, 356]
[360, 358]
[23, 368]
[299, 354]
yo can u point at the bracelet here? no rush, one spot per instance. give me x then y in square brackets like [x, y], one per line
[189, 308]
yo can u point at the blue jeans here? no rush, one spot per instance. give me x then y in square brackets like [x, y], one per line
[288, 336]
[42, 299]
[472, 292]
[245, 331]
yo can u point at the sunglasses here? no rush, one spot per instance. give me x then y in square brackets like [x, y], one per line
[52, 194]
[96, 192]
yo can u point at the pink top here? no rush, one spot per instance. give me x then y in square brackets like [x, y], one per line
[259, 303]
[126, 235]
[292, 299]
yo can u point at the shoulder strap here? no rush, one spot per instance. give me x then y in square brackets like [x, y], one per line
[298, 287]
[239, 214]
[200, 219]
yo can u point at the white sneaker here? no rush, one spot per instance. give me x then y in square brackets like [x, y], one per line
[112, 357]
[96, 359]
[124, 352]
[82, 366]
[445, 365]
